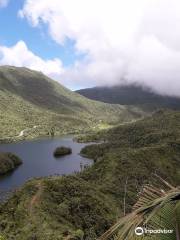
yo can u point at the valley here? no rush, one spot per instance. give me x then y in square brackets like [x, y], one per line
[85, 204]
[29, 98]
[80, 195]
[89, 120]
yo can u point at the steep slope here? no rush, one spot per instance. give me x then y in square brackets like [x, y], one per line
[29, 98]
[86, 204]
[131, 95]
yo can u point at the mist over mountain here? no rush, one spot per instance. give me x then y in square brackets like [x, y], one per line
[90, 120]
[131, 95]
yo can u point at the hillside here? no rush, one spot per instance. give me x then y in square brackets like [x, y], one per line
[131, 95]
[84, 205]
[8, 162]
[30, 100]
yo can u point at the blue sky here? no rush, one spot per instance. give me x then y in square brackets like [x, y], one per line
[13, 29]
[85, 43]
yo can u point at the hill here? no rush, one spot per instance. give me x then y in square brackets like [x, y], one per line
[84, 205]
[31, 101]
[131, 95]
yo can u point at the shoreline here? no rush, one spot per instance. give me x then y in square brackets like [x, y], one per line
[78, 166]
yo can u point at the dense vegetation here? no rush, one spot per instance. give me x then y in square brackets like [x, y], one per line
[61, 151]
[8, 162]
[131, 95]
[30, 100]
[86, 204]
[157, 209]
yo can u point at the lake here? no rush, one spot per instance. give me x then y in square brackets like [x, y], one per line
[38, 160]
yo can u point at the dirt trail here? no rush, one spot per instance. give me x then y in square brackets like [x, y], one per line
[21, 134]
[35, 199]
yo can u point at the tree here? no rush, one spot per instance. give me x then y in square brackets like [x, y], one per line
[156, 209]
[52, 131]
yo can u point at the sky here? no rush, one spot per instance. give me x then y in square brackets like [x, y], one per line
[85, 43]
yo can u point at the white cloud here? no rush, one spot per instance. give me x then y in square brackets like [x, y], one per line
[133, 40]
[3, 3]
[19, 55]
[156, 66]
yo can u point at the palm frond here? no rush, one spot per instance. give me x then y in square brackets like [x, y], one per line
[156, 208]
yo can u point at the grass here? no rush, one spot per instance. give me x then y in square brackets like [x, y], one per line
[86, 204]
[29, 98]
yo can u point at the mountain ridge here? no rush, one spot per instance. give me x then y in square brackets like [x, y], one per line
[30, 98]
[131, 95]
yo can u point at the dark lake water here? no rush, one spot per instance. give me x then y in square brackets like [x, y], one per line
[38, 160]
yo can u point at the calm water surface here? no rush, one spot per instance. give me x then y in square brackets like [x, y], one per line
[38, 160]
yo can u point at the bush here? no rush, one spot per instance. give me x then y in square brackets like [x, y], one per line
[61, 151]
[8, 162]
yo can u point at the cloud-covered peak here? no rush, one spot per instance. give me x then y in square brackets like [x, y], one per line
[132, 41]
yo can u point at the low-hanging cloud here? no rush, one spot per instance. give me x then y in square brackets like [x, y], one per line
[123, 41]
[19, 55]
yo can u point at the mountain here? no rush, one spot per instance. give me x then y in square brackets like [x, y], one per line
[84, 205]
[32, 104]
[131, 95]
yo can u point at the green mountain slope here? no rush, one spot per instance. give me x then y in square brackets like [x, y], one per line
[84, 205]
[131, 95]
[29, 98]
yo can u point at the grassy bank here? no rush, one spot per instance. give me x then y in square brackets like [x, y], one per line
[84, 205]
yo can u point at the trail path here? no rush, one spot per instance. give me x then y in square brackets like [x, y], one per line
[36, 198]
[132, 121]
[21, 134]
